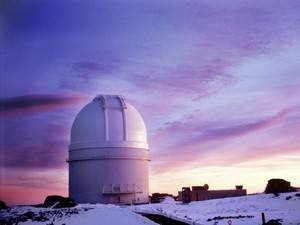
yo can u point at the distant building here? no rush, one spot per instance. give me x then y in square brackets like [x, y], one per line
[200, 193]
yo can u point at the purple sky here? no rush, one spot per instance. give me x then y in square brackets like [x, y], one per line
[218, 84]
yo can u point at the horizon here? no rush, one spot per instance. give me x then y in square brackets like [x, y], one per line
[218, 86]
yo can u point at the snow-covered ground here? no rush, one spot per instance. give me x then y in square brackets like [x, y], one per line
[240, 210]
[85, 214]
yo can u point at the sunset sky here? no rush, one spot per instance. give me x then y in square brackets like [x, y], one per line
[217, 83]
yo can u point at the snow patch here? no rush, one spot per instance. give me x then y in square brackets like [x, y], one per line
[85, 214]
[168, 200]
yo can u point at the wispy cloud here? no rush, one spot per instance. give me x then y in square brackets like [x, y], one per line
[23, 105]
[181, 142]
[40, 146]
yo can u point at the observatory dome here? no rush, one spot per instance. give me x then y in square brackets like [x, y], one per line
[108, 153]
[107, 121]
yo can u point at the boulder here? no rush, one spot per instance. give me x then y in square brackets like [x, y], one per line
[3, 205]
[56, 201]
[278, 186]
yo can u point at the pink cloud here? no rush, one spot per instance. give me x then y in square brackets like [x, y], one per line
[26, 186]
[188, 142]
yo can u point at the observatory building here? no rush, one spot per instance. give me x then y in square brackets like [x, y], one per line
[108, 154]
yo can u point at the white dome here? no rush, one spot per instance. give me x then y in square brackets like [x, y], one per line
[108, 121]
